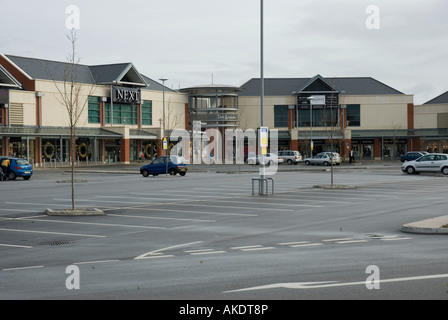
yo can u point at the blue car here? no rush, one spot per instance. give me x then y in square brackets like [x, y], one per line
[159, 166]
[18, 168]
[412, 155]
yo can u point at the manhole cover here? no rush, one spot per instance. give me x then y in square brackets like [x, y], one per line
[56, 243]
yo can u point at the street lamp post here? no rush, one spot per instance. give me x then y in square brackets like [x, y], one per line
[163, 125]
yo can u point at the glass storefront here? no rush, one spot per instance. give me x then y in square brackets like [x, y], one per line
[22, 147]
[435, 146]
[364, 149]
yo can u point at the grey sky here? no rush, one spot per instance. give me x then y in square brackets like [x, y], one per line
[188, 41]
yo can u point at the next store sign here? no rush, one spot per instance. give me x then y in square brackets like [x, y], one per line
[126, 95]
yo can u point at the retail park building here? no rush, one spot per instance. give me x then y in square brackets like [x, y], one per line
[126, 112]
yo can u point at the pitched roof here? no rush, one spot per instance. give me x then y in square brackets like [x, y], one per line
[442, 99]
[288, 86]
[125, 73]
[51, 70]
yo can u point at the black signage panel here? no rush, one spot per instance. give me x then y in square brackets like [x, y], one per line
[126, 95]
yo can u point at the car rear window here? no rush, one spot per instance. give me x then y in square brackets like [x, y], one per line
[21, 162]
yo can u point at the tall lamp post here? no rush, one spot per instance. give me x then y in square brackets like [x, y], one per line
[163, 79]
[262, 167]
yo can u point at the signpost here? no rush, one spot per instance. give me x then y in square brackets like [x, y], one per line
[165, 147]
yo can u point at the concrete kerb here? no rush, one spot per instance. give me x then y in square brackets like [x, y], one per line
[437, 225]
[75, 213]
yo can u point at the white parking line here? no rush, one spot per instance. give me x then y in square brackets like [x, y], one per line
[94, 224]
[192, 211]
[18, 210]
[351, 241]
[306, 245]
[58, 233]
[15, 246]
[232, 207]
[90, 262]
[292, 243]
[22, 268]
[336, 240]
[160, 218]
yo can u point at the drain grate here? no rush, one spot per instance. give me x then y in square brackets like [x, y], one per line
[57, 243]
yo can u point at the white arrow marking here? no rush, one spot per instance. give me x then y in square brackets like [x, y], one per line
[328, 284]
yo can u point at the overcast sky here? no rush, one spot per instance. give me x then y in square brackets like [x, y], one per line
[190, 42]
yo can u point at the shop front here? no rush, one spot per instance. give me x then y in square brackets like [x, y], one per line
[42, 146]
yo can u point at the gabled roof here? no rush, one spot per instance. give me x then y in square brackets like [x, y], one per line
[7, 80]
[317, 83]
[290, 86]
[442, 99]
[121, 73]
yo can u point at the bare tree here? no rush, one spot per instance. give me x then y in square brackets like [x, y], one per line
[72, 96]
[330, 120]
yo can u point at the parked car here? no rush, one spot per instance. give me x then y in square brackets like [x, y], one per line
[412, 155]
[323, 159]
[159, 166]
[268, 159]
[18, 168]
[336, 156]
[434, 162]
[290, 156]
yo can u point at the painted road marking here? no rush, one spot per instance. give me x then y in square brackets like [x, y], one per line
[94, 223]
[159, 251]
[15, 246]
[58, 233]
[22, 268]
[203, 251]
[328, 284]
[101, 261]
[160, 218]
[192, 211]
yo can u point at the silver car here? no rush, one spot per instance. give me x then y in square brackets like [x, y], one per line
[434, 162]
[323, 159]
[290, 156]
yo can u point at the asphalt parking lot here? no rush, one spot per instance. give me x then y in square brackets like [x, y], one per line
[171, 226]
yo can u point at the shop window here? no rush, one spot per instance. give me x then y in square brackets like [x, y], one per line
[147, 113]
[280, 116]
[93, 110]
[322, 117]
[122, 113]
[354, 115]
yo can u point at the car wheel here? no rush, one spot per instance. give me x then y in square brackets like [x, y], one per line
[12, 176]
[289, 161]
[326, 164]
[445, 171]
[145, 173]
[307, 163]
[172, 172]
[410, 170]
